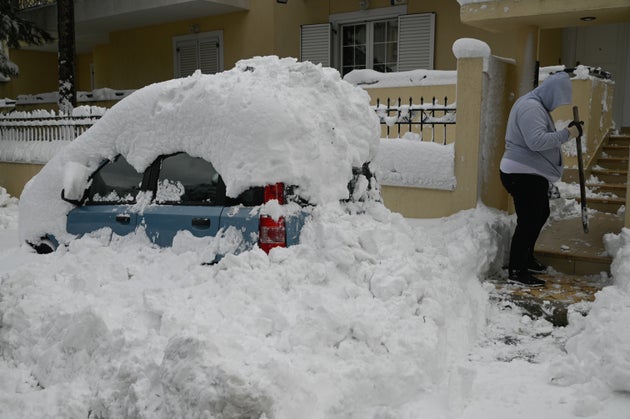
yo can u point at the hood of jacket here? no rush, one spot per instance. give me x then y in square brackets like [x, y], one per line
[554, 91]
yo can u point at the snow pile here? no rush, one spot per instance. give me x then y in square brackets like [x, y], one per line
[413, 163]
[375, 79]
[470, 48]
[360, 320]
[267, 120]
[8, 217]
[598, 352]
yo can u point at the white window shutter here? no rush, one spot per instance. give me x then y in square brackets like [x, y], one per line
[315, 44]
[209, 56]
[416, 39]
[186, 57]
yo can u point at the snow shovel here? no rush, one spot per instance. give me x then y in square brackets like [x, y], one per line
[578, 142]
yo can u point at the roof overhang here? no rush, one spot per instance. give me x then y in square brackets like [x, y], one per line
[96, 19]
[504, 15]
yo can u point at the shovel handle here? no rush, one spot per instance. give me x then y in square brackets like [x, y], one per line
[578, 143]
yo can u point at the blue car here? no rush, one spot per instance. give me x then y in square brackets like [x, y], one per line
[186, 194]
[242, 155]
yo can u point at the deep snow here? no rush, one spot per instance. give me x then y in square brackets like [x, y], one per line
[371, 316]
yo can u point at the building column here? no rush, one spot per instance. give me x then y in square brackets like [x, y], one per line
[526, 58]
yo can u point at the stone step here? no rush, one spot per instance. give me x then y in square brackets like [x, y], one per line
[613, 163]
[604, 204]
[566, 261]
[564, 246]
[614, 150]
[615, 189]
[553, 300]
[610, 176]
[619, 139]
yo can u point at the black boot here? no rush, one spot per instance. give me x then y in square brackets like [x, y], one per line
[525, 278]
[534, 266]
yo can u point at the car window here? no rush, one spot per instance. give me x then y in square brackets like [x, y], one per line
[189, 180]
[115, 182]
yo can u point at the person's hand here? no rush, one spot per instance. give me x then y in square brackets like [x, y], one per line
[573, 131]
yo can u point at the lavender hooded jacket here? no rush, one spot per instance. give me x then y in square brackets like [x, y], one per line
[531, 137]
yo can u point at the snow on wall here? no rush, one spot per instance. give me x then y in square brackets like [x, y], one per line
[413, 163]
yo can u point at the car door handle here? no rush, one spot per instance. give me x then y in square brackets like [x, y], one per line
[123, 219]
[203, 223]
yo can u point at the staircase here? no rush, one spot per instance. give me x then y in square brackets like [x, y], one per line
[562, 244]
[579, 263]
[611, 168]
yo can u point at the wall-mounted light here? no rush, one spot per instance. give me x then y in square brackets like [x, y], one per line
[588, 18]
[282, 1]
[364, 4]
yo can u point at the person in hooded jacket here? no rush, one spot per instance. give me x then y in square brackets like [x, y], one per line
[531, 162]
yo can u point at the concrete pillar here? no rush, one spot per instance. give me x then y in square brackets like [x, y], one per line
[526, 58]
[468, 133]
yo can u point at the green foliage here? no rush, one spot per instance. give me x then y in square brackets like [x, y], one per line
[14, 31]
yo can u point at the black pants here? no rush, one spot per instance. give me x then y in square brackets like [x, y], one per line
[531, 201]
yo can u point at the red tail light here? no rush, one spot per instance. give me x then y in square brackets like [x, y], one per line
[275, 191]
[272, 233]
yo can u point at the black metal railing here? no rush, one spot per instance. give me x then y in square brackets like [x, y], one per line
[29, 4]
[420, 116]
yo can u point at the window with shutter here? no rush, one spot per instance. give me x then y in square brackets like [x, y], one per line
[315, 44]
[203, 51]
[385, 40]
[416, 41]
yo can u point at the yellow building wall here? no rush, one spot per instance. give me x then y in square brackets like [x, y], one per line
[13, 176]
[147, 53]
[134, 58]
[594, 100]
[32, 80]
[288, 20]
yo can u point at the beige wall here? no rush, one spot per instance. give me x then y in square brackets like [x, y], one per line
[134, 58]
[32, 79]
[478, 148]
[13, 176]
[594, 101]
[415, 93]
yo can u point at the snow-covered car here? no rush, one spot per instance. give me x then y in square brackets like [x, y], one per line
[241, 155]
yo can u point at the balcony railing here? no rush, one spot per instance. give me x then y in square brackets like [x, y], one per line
[417, 117]
[30, 4]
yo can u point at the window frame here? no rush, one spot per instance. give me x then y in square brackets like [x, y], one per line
[87, 198]
[198, 38]
[370, 42]
[364, 16]
[218, 201]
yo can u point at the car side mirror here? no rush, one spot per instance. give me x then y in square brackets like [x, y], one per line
[75, 183]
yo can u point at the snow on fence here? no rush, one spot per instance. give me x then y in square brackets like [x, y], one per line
[424, 116]
[46, 126]
[34, 137]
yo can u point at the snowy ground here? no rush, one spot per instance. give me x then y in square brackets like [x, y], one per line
[372, 316]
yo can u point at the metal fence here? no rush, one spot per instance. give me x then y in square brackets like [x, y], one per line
[29, 4]
[51, 128]
[424, 119]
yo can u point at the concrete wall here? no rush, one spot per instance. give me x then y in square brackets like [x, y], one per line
[137, 57]
[594, 98]
[439, 92]
[483, 92]
[13, 176]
